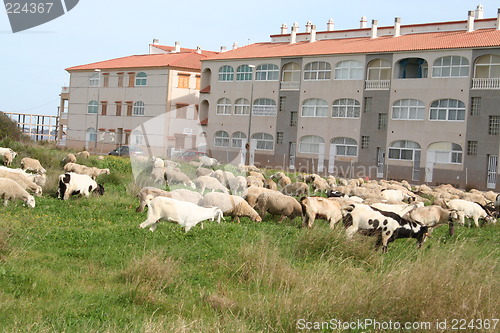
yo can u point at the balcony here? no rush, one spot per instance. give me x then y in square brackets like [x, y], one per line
[290, 85]
[486, 83]
[377, 84]
[264, 110]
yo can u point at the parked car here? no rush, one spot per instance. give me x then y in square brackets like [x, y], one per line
[189, 155]
[126, 151]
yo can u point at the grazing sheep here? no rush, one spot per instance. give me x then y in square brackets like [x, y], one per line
[186, 214]
[38, 179]
[394, 195]
[283, 179]
[208, 161]
[10, 190]
[231, 205]
[257, 175]
[320, 185]
[93, 172]
[7, 159]
[206, 182]
[278, 204]
[332, 181]
[70, 158]
[253, 181]
[270, 184]
[238, 184]
[296, 189]
[157, 162]
[32, 165]
[74, 183]
[252, 193]
[434, 216]
[318, 207]
[203, 172]
[246, 168]
[471, 210]
[178, 177]
[83, 154]
[224, 177]
[22, 179]
[146, 194]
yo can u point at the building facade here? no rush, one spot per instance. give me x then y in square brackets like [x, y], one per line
[417, 102]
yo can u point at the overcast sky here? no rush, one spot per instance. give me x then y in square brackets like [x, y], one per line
[32, 62]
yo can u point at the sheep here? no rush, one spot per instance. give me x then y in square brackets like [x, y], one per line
[178, 177]
[32, 164]
[224, 177]
[318, 207]
[270, 184]
[332, 181]
[203, 172]
[147, 193]
[38, 179]
[433, 216]
[252, 193]
[23, 180]
[394, 195]
[207, 182]
[253, 181]
[257, 175]
[246, 168]
[471, 210]
[296, 189]
[238, 184]
[83, 154]
[320, 185]
[85, 170]
[70, 158]
[10, 190]
[400, 209]
[157, 162]
[8, 155]
[208, 161]
[231, 205]
[278, 204]
[283, 179]
[186, 214]
[73, 183]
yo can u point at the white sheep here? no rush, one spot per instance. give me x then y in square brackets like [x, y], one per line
[320, 185]
[8, 155]
[174, 176]
[83, 154]
[10, 190]
[203, 172]
[270, 184]
[146, 194]
[319, 207]
[206, 182]
[252, 193]
[32, 164]
[238, 184]
[70, 158]
[257, 175]
[231, 205]
[332, 181]
[394, 195]
[186, 214]
[254, 181]
[283, 179]
[224, 177]
[434, 216]
[296, 189]
[22, 179]
[246, 168]
[471, 210]
[278, 204]
[93, 172]
[74, 183]
[208, 161]
[38, 179]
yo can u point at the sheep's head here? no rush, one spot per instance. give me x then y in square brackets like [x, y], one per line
[218, 214]
[99, 189]
[30, 202]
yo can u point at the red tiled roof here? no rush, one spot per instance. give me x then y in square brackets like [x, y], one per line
[205, 90]
[409, 42]
[172, 48]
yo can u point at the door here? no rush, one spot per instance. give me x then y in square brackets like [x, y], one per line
[380, 162]
[429, 165]
[416, 166]
[492, 171]
[321, 158]
[331, 158]
[291, 152]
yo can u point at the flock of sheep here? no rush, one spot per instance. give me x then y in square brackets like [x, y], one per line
[386, 209]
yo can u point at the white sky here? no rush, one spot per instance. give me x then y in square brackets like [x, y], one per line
[32, 62]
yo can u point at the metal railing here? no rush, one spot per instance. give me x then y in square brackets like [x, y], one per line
[486, 83]
[290, 85]
[377, 84]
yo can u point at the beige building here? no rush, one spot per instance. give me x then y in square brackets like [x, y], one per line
[417, 102]
[146, 100]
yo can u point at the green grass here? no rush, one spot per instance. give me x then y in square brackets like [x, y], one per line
[83, 265]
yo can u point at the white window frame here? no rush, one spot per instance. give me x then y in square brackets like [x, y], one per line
[291, 72]
[410, 109]
[450, 66]
[221, 139]
[442, 106]
[452, 156]
[342, 145]
[95, 79]
[376, 68]
[141, 79]
[267, 72]
[314, 107]
[317, 71]
[310, 144]
[244, 73]
[346, 108]
[264, 107]
[492, 65]
[138, 108]
[93, 107]
[265, 141]
[91, 134]
[349, 70]
[223, 106]
[237, 139]
[408, 146]
[242, 107]
[226, 73]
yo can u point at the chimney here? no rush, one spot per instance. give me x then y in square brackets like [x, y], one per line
[308, 26]
[330, 25]
[177, 48]
[479, 12]
[156, 41]
[235, 46]
[223, 49]
[313, 34]
[284, 29]
[198, 50]
[397, 27]
[293, 36]
[470, 21]
[498, 19]
[374, 28]
[362, 22]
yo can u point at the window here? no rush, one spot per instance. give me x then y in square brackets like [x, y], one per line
[267, 72]
[91, 134]
[345, 147]
[105, 79]
[403, 150]
[226, 73]
[494, 125]
[138, 109]
[408, 109]
[181, 111]
[129, 108]
[349, 70]
[451, 66]
[346, 108]
[317, 70]
[94, 80]
[282, 103]
[279, 137]
[242, 106]
[237, 139]
[471, 147]
[379, 69]
[264, 141]
[131, 79]
[140, 79]
[475, 106]
[92, 107]
[244, 73]
[291, 72]
[223, 106]
[446, 152]
[487, 66]
[104, 108]
[382, 120]
[447, 109]
[264, 107]
[198, 82]
[412, 68]
[315, 107]
[136, 138]
[221, 139]
[118, 108]
[120, 79]
[368, 104]
[293, 118]
[365, 142]
[310, 144]
[183, 80]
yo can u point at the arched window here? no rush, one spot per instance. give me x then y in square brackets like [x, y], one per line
[91, 134]
[136, 138]
[244, 73]
[345, 146]
[264, 141]
[138, 109]
[291, 72]
[223, 106]
[237, 139]
[264, 107]
[92, 107]
[446, 152]
[317, 70]
[242, 106]
[226, 73]
[487, 67]
[412, 68]
[140, 79]
[315, 107]
[451, 66]
[267, 72]
[221, 139]
[408, 109]
[94, 80]
[349, 70]
[403, 150]
[346, 108]
[379, 69]
[447, 109]
[310, 144]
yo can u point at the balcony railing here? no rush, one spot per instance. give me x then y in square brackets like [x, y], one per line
[377, 84]
[486, 84]
[290, 85]
[264, 110]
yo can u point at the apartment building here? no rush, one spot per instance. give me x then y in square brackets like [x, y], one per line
[417, 102]
[146, 100]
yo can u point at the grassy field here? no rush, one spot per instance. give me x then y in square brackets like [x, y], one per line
[83, 265]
